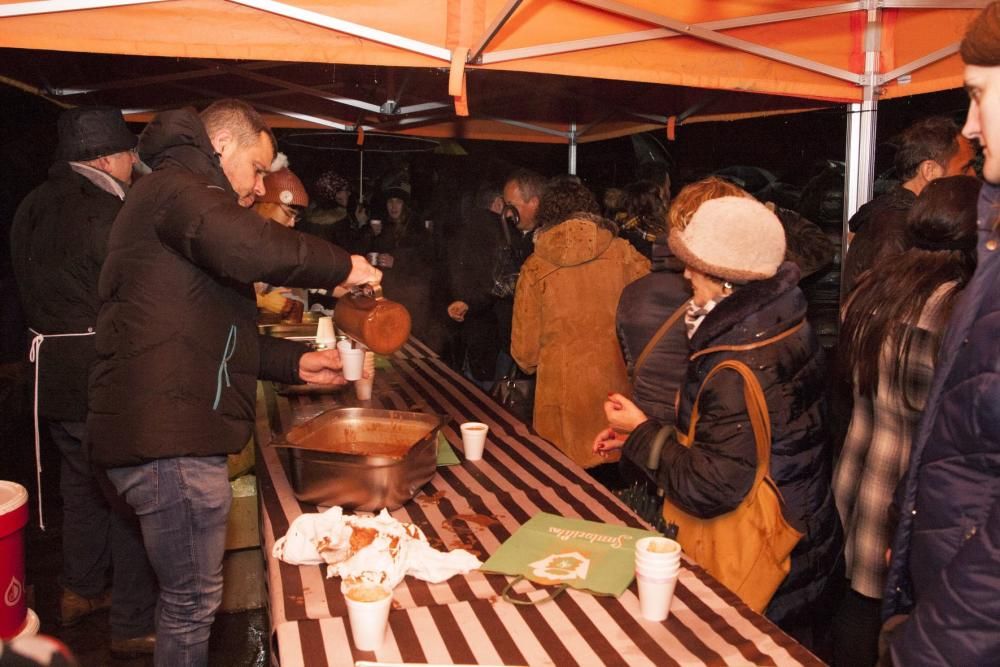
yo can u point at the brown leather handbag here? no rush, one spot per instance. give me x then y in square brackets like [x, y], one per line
[748, 549]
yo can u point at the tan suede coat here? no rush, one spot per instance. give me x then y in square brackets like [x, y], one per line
[564, 327]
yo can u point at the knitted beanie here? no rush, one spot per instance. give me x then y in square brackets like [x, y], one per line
[733, 238]
[398, 191]
[284, 187]
[328, 185]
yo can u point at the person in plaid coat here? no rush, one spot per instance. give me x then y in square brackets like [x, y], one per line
[891, 344]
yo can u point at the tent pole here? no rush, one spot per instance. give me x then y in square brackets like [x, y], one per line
[861, 127]
[572, 149]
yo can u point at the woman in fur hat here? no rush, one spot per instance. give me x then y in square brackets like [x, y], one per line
[746, 307]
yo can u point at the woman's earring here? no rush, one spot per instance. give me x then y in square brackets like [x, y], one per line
[728, 285]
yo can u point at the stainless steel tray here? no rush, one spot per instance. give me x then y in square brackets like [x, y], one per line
[282, 330]
[362, 458]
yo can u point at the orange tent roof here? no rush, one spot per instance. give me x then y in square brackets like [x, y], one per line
[515, 69]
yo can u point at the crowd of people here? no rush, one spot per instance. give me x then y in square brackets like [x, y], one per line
[668, 338]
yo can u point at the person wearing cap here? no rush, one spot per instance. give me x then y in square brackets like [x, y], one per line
[59, 241]
[944, 577]
[405, 246]
[336, 217]
[284, 201]
[746, 306]
[172, 391]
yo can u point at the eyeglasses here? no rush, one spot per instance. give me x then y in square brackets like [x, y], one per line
[293, 214]
[510, 214]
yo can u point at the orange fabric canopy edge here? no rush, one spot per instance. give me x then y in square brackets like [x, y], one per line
[222, 29]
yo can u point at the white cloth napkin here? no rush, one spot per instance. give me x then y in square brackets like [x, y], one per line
[396, 550]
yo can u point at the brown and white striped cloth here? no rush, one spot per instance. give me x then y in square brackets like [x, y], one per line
[476, 506]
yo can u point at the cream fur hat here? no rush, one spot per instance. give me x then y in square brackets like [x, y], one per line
[733, 238]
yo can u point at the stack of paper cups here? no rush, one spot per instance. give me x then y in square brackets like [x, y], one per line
[363, 387]
[657, 562]
[324, 332]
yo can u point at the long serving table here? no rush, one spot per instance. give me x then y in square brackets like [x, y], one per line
[476, 506]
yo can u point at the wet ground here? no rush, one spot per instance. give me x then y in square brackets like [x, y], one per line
[238, 639]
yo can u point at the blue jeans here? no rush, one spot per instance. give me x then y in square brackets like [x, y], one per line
[182, 504]
[101, 544]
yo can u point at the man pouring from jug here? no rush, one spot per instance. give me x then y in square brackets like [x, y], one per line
[178, 354]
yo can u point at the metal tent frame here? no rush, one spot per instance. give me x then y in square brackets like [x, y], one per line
[860, 144]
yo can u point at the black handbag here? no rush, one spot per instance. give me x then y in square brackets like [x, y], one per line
[516, 392]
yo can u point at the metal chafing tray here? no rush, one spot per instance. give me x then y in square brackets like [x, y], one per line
[305, 330]
[362, 458]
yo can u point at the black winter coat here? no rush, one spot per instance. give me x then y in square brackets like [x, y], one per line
[472, 259]
[645, 305]
[713, 475]
[177, 344]
[879, 231]
[59, 239]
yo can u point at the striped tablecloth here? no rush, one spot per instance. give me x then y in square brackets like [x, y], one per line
[477, 506]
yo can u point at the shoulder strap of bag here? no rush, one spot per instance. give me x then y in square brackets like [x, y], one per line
[749, 346]
[756, 404]
[660, 333]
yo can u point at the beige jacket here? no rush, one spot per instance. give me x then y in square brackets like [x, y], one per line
[564, 328]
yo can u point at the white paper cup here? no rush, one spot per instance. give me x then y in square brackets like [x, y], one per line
[654, 561]
[655, 595]
[658, 547]
[354, 363]
[474, 440]
[657, 573]
[345, 345]
[324, 331]
[368, 611]
[363, 387]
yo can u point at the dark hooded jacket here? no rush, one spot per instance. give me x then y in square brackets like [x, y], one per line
[178, 353]
[473, 256]
[58, 242]
[879, 231]
[644, 306]
[945, 567]
[714, 475]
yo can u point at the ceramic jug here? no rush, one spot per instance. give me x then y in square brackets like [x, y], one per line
[380, 324]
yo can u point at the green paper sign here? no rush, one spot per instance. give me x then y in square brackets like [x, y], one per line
[446, 455]
[586, 555]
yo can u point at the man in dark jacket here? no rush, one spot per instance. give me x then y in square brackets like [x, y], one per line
[928, 149]
[59, 242]
[473, 259]
[178, 354]
[945, 569]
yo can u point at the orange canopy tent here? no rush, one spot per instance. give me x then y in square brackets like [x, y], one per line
[531, 70]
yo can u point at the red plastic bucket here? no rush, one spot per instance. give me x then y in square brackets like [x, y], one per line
[13, 518]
